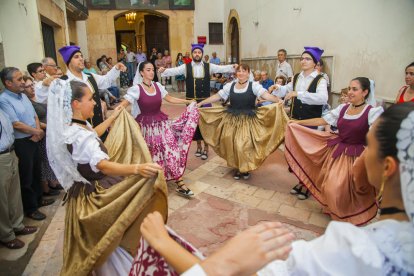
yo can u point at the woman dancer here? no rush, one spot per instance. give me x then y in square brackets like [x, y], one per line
[324, 162]
[168, 141]
[180, 78]
[241, 133]
[103, 209]
[381, 248]
[406, 93]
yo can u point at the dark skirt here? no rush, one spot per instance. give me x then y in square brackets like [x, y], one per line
[47, 172]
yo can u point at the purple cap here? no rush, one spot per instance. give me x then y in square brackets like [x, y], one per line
[67, 52]
[197, 46]
[315, 52]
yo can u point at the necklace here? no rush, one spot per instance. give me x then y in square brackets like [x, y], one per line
[391, 211]
[79, 122]
[149, 86]
[241, 83]
[358, 105]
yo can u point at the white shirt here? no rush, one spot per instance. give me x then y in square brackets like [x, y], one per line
[41, 92]
[257, 88]
[133, 93]
[333, 115]
[284, 69]
[198, 70]
[86, 149]
[103, 82]
[320, 97]
[130, 57]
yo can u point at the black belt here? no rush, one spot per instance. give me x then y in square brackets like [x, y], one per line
[8, 150]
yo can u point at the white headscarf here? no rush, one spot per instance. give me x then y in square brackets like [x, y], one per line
[137, 80]
[371, 97]
[59, 117]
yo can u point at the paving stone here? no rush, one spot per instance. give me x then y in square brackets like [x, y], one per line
[263, 193]
[269, 205]
[294, 213]
[284, 198]
[319, 219]
[218, 191]
[198, 186]
[309, 204]
[221, 171]
[245, 199]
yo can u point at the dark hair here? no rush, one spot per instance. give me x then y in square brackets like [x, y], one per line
[282, 50]
[243, 66]
[32, 68]
[388, 125]
[313, 58]
[78, 90]
[365, 84]
[26, 78]
[283, 78]
[409, 65]
[142, 65]
[7, 74]
[320, 62]
[178, 56]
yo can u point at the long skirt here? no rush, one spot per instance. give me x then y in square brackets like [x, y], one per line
[47, 172]
[169, 141]
[99, 222]
[339, 184]
[244, 141]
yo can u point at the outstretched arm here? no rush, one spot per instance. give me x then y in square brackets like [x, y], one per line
[270, 97]
[175, 100]
[112, 168]
[212, 99]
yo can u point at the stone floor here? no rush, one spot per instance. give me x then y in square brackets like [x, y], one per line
[220, 208]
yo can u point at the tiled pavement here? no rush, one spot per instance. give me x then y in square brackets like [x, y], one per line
[220, 208]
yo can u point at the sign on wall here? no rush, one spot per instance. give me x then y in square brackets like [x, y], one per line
[201, 39]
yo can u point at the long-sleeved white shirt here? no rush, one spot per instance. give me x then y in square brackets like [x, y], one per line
[103, 82]
[320, 97]
[198, 70]
[284, 69]
[41, 92]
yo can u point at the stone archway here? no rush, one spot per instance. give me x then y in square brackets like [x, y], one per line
[233, 37]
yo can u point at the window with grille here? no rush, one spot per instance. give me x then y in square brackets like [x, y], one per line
[215, 31]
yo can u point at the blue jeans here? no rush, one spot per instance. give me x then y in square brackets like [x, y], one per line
[114, 91]
[130, 66]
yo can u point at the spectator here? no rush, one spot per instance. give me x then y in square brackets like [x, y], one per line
[47, 175]
[180, 78]
[406, 93]
[109, 62]
[123, 77]
[27, 133]
[206, 59]
[215, 59]
[153, 58]
[113, 89]
[59, 72]
[282, 67]
[265, 81]
[140, 56]
[42, 83]
[49, 64]
[103, 65]
[187, 59]
[319, 68]
[159, 62]
[11, 208]
[168, 64]
[130, 60]
[88, 67]
[257, 75]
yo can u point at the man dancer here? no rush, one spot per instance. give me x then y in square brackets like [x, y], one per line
[198, 84]
[75, 63]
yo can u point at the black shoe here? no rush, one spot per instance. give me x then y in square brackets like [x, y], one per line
[302, 195]
[36, 215]
[204, 156]
[246, 175]
[297, 189]
[186, 192]
[52, 193]
[46, 202]
[237, 175]
[198, 152]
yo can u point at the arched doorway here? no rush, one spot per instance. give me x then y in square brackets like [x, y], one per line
[234, 41]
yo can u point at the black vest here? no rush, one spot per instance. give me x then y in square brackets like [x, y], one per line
[97, 110]
[197, 88]
[242, 103]
[301, 111]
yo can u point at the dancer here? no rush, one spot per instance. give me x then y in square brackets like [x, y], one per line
[168, 141]
[241, 133]
[197, 80]
[327, 164]
[381, 248]
[406, 93]
[308, 93]
[104, 208]
[74, 61]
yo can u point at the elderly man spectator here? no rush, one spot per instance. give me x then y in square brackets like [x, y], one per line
[130, 61]
[27, 133]
[215, 59]
[265, 81]
[41, 82]
[50, 66]
[283, 67]
[11, 208]
[257, 75]
[140, 56]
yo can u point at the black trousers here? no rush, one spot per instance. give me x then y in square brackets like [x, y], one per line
[30, 173]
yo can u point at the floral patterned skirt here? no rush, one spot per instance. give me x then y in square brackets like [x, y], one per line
[169, 141]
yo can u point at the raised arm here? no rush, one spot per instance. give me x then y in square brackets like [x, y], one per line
[222, 68]
[102, 127]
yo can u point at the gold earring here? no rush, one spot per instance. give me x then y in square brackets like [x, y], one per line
[379, 195]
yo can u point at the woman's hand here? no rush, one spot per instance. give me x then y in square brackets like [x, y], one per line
[120, 66]
[147, 170]
[250, 250]
[117, 111]
[153, 230]
[291, 95]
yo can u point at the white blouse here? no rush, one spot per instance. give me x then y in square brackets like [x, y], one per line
[133, 93]
[333, 115]
[86, 149]
[257, 88]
